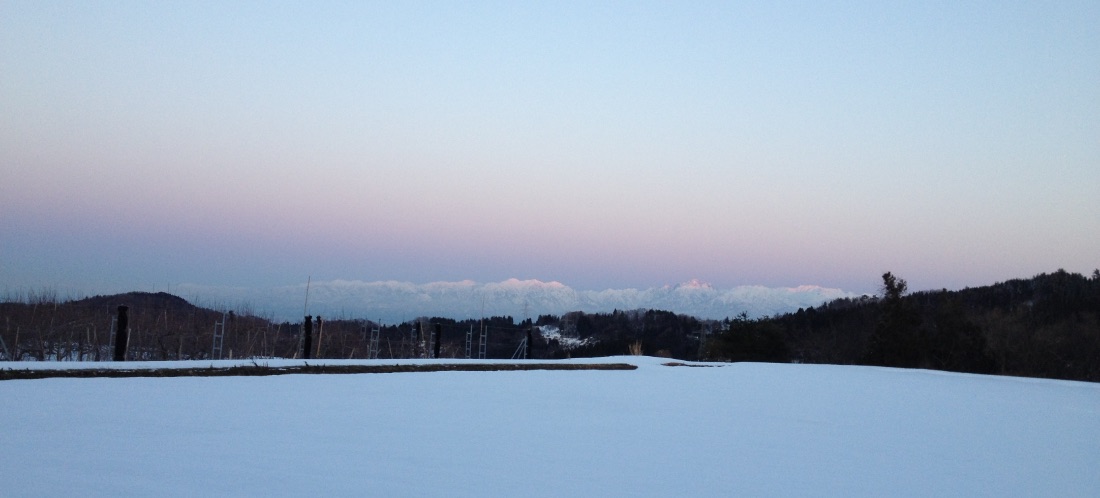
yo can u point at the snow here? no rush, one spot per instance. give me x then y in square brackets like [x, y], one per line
[742, 429]
[392, 301]
[551, 333]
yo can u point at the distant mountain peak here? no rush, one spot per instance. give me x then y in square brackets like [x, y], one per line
[533, 282]
[695, 283]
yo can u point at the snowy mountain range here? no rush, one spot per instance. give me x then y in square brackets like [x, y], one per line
[392, 301]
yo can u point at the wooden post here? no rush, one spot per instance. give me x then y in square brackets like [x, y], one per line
[95, 342]
[418, 340]
[530, 343]
[320, 331]
[307, 336]
[438, 337]
[122, 333]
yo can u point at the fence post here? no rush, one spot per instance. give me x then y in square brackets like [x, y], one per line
[419, 339]
[307, 336]
[320, 334]
[438, 338]
[122, 333]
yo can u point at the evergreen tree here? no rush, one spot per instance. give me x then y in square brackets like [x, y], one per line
[896, 340]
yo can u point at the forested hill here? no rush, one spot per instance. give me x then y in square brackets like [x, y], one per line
[1045, 326]
[153, 300]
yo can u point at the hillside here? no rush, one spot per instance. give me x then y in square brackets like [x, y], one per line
[1045, 326]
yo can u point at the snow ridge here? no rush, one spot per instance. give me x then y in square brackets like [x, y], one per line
[393, 301]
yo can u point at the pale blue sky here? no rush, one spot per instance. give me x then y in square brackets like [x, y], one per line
[603, 145]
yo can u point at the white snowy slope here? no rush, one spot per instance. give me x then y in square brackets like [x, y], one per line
[736, 430]
[399, 301]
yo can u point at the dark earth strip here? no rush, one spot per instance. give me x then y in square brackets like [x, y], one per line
[259, 370]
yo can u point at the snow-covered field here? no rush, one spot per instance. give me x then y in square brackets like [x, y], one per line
[735, 430]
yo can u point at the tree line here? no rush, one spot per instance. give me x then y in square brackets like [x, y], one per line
[1045, 326]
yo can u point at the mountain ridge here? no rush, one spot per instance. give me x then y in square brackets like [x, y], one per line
[395, 301]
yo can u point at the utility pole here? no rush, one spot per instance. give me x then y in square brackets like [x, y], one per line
[483, 342]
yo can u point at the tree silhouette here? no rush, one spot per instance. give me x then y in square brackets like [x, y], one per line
[896, 340]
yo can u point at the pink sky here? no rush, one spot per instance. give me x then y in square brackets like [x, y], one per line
[604, 146]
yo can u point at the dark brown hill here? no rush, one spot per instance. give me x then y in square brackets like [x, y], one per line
[147, 300]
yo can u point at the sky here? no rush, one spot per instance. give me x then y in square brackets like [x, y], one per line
[600, 144]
